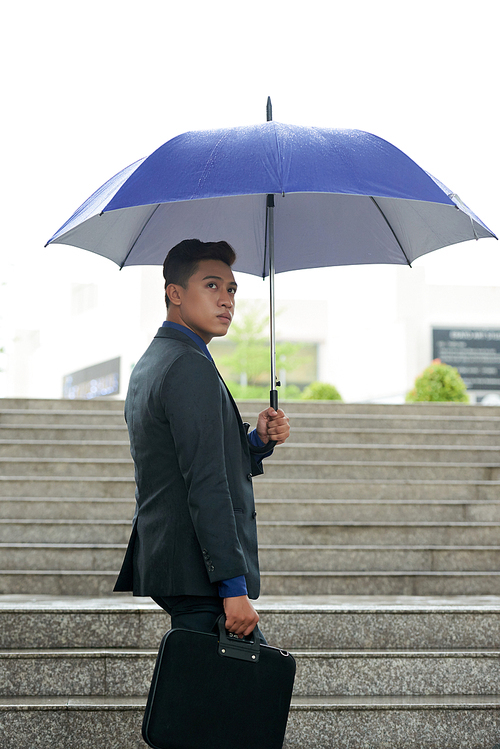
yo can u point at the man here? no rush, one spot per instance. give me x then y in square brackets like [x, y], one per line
[193, 547]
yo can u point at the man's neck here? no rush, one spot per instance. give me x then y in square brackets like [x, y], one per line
[177, 319]
[191, 334]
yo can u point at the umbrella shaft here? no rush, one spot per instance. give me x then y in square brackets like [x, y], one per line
[272, 315]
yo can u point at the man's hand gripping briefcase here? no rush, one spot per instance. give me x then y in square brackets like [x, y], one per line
[218, 692]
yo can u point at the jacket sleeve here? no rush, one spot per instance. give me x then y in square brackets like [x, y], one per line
[256, 452]
[192, 402]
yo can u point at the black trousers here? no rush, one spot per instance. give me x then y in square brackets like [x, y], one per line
[195, 612]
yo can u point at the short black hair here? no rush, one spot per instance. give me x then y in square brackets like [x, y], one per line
[183, 259]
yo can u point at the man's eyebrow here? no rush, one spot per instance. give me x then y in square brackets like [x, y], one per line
[219, 278]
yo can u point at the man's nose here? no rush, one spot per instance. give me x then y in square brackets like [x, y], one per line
[226, 300]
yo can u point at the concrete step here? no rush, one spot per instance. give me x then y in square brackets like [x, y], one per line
[255, 406]
[66, 486]
[54, 556]
[399, 488]
[334, 436]
[364, 510]
[76, 508]
[128, 673]
[350, 532]
[66, 417]
[63, 508]
[396, 583]
[364, 648]
[304, 435]
[314, 469]
[441, 409]
[78, 672]
[100, 449]
[315, 558]
[63, 467]
[63, 433]
[62, 404]
[264, 487]
[386, 421]
[57, 582]
[275, 468]
[395, 722]
[451, 419]
[270, 532]
[379, 673]
[302, 622]
[387, 453]
[65, 531]
[284, 583]
[283, 557]
[315, 723]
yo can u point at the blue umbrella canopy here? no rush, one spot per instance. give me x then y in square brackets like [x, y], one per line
[341, 197]
[285, 197]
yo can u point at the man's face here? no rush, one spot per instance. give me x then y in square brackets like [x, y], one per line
[206, 306]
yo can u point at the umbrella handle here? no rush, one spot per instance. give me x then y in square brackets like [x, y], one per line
[271, 444]
[273, 399]
[273, 402]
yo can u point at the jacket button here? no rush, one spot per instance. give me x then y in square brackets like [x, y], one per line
[249, 476]
[254, 515]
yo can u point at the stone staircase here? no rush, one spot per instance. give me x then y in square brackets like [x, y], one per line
[379, 530]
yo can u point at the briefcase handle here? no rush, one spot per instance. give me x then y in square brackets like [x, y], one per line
[231, 646]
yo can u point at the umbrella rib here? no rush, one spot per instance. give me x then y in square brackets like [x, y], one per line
[139, 235]
[392, 230]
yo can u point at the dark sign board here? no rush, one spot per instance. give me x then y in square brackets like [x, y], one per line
[475, 352]
[92, 382]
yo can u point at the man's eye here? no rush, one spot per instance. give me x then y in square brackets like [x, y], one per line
[212, 285]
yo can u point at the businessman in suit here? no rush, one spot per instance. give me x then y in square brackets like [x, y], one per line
[193, 547]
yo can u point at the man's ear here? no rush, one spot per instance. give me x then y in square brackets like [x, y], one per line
[173, 294]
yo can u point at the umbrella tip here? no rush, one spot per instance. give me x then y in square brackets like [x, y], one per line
[269, 109]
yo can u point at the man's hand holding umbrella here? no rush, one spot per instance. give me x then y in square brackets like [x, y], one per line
[273, 426]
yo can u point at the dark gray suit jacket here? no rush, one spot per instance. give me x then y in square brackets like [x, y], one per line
[195, 522]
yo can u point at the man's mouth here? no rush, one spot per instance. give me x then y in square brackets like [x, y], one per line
[226, 316]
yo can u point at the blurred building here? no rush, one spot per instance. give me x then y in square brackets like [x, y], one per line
[367, 330]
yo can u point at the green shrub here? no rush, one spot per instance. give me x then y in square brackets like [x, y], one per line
[321, 391]
[439, 382]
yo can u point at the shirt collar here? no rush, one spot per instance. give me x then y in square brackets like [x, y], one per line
[191, 334]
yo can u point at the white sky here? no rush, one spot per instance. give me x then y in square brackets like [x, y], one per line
[89, 87]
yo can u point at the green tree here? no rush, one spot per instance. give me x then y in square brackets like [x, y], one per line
[250, 357]
[249, 362]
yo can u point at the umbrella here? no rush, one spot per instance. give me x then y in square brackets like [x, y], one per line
[286, 197]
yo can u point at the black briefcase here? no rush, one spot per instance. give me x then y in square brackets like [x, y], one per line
[214, 691]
